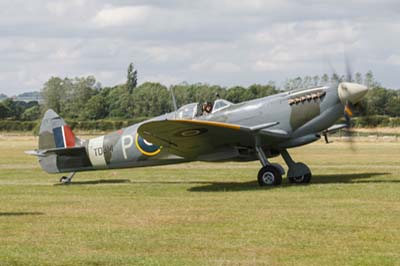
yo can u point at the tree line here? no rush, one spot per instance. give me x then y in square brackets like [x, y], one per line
[83, 98]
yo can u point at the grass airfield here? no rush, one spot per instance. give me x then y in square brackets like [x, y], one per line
[204, 213]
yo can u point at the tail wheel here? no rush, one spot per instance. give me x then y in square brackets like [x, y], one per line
[269, 176]
[64, 179]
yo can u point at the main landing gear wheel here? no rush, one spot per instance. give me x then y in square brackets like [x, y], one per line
[269, 176]
[304, 179]
[298, 173]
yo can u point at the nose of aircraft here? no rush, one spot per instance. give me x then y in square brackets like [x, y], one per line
[351, 92]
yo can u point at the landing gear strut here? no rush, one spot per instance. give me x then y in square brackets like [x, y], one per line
[298, 173]
[67, 179]
[269, 174]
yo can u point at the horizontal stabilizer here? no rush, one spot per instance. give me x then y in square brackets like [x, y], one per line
[37, 153]
[58, 151]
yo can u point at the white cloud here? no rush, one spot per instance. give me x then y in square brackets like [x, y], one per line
[215, 66]
[249, 7]
[164, 53]
[64, 54]
[394, 59]
[223, 42]
[163, 79]
[265, 65]
[121, 16]
[61, 8]
[316, 32]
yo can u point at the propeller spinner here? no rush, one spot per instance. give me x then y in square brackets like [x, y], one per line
[351, 92]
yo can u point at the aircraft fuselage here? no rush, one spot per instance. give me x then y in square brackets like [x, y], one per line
[301, 113]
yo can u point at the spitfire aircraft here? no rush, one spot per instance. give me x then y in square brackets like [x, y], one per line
[223, 131]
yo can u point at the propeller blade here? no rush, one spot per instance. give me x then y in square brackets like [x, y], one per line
[348, 69]
[348, 111]
[351, 95]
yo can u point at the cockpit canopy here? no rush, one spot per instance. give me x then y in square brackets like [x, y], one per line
[189, 111]
[192, 110]
[220, 104]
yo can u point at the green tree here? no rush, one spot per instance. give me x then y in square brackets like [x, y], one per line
[297, 83]
[54, 94]
[376, 101]
[68, 96]
[316, 80]
[335, 78]
[258, 91]
[199, 92]
[31, 113]
[120, 102]
[4, 111]
[358, 78]
[324, 79]
[236, 94]
[96, 108]
[307, 82]
[82, 90]
[14, 108]
[393, 106]
[370, 81]
[131, 82]
[151, 99]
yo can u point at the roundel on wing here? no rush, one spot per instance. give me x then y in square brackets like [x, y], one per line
[146, 147]
[191, 132]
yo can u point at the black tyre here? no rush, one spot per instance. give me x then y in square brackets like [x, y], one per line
[304, 179]
[65, 180]
[269, 176]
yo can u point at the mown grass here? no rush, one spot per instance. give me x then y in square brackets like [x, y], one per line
[204, 213]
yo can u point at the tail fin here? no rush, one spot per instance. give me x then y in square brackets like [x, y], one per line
[59, 149]
[55, 133]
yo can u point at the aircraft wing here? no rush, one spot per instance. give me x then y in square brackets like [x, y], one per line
[192, 138]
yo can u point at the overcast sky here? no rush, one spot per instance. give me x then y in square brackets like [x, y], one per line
[227, 42]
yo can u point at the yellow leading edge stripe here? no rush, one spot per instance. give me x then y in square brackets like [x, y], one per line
[210, 123]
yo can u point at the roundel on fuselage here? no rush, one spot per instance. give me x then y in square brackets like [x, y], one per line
[146, 147]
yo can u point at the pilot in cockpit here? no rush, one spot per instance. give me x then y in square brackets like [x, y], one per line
[207, 108]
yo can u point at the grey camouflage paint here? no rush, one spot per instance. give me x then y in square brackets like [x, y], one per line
[303, 121]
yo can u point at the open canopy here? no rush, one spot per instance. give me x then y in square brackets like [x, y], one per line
[193, 110]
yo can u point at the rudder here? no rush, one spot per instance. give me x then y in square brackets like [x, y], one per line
[59, 149]
[55, 133]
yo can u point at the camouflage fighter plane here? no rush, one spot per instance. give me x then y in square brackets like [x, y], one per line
[254, 130]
